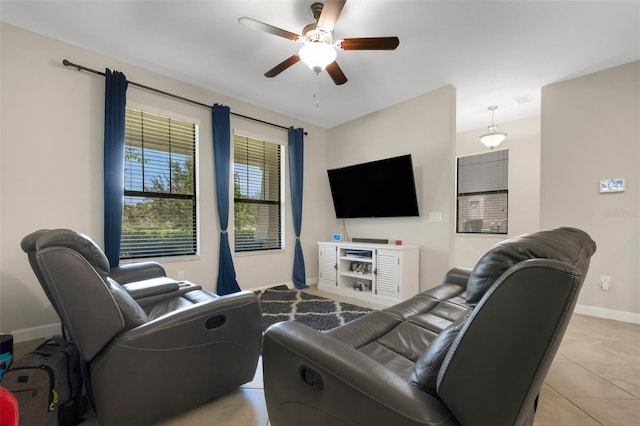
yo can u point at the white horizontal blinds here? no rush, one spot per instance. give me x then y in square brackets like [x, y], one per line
[483, 193]
[160, 192]
[256, 192]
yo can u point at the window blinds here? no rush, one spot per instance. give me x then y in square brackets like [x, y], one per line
[482, 201]
[160, 186]
[257, 193]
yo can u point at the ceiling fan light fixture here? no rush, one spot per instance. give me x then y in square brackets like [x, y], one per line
[492, 138]
[320, 51]
[317, 55]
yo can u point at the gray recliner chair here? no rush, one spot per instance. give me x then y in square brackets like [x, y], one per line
[172, 347]
[472, 351]
[146, 289]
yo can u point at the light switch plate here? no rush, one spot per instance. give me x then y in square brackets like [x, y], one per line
[435, 216]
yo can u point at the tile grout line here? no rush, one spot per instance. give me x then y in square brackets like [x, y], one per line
[595, 373]
[574, 404]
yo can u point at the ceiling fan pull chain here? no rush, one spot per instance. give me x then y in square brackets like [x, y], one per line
[315, 93]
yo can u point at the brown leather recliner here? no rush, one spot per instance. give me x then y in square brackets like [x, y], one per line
[173, 347]
[472, 351]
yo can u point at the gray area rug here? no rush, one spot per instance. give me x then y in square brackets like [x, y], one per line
[281, 303]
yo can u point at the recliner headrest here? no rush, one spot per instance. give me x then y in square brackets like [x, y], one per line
[568, 245]
[78, 242]
[28, 243]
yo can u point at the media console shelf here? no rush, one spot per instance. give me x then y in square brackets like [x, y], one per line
[379, 273]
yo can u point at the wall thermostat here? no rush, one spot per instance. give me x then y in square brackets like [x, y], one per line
[336, 237]
[612, 185]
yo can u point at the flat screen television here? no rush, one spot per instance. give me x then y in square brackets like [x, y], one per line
[382, 188]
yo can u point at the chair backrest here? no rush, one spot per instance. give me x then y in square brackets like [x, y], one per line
[525, 290]
[28, 245]
[74, 273]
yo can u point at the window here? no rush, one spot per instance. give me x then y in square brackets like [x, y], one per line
[483, 194]
[257, 194]
[159, 216]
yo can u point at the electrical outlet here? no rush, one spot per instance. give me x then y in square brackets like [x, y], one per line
[180, 275]
[605, 282]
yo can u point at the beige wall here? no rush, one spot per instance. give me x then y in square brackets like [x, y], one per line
[424, 127]
[51, 125]
[591, 131]
[51, 169]
[523, 143]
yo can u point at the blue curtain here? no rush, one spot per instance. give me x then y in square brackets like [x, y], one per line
[296, 173]
[222, 162]
[114, 112]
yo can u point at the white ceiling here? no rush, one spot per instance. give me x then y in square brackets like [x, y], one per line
[492, 52]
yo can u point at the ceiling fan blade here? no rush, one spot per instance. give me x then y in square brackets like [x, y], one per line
[336, 73]
[282, 66]
[261, 26]
[370, 43]
[330, 13]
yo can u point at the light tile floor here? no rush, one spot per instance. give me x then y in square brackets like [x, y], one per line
[594, 380]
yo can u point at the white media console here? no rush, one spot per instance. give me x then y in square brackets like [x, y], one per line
[380, 273]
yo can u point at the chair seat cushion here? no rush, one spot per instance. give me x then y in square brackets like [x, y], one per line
[396, 337]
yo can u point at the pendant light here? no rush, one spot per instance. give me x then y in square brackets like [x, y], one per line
[317, 55]
[492, 138]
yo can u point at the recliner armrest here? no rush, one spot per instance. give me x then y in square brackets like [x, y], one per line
[147, 300]
[459, 276]
[313, 379]
[124, 274]
[194, 325]
[151, 287]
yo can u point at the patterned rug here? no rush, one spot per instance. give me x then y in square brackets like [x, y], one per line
[281, 303]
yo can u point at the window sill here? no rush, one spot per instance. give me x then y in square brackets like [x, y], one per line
[481, 234]
[258, 252]
[168, 259]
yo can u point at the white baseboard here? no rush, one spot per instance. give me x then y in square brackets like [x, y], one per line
[41, 331]
[611, 314]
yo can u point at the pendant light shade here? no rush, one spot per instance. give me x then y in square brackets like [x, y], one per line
[492, 138]
[317, 55]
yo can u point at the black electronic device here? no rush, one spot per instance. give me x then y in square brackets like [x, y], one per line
[382, 188]
[370, 240]
[359, 286]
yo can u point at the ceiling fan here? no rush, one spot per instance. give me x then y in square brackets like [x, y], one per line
[319, 49]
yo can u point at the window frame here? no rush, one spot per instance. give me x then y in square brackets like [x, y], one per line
[281, 190]
[191, 254]
[496, 185]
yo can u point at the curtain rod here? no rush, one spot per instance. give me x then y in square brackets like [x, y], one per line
[67, 63]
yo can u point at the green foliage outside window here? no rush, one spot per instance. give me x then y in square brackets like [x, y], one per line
[257, 194]
[159, 217]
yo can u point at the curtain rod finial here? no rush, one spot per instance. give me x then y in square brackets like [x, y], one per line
[68, 63]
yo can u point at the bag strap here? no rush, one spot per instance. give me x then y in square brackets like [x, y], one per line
[51, 346]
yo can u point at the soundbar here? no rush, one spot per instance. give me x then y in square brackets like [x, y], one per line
[370, 240]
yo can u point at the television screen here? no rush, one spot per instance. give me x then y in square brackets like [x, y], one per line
[383, 188]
